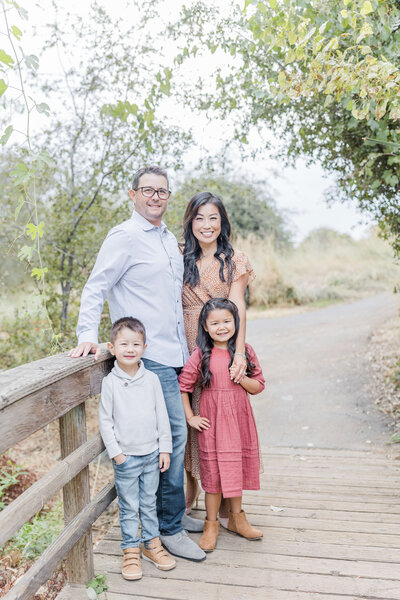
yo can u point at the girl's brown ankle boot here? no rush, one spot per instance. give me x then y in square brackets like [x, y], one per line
[239, 524]
[208, 540]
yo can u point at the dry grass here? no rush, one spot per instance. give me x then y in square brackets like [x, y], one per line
[326, 267]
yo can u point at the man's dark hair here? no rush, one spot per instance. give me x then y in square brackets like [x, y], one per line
[129, 322]
[149, 169]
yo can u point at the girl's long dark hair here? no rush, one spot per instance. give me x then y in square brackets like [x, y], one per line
[205, 343]
[192, 250]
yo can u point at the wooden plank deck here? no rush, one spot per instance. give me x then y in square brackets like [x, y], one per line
[336, 535]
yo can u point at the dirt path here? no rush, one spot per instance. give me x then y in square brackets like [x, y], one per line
[318, 376]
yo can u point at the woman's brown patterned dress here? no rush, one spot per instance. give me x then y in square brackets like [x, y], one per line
[210, 286]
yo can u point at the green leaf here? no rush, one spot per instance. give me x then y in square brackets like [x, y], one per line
[366, 8]
[3, 87]
[6, 135]
[380, 110]
[26, 253]
[18, 208]
[6, 58]
[91, 593]
[273, 3]
[31, 230]
[394, 112]
[32, 62]
[43, 108]
[323, 27]
[39, 274]
[45, 158]
[365, 31]
[344, 14]
[16, 32]
[23, 13]
[282, 79]
[40, 229]
[20, 174]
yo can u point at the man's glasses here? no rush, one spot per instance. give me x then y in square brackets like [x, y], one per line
[148, 192]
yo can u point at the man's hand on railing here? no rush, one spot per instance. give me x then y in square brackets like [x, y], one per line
[84, 349]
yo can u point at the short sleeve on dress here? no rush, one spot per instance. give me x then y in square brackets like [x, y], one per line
[189, 375]
[257, 372]
[242, 266]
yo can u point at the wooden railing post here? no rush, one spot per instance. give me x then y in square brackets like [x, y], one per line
[76, 495]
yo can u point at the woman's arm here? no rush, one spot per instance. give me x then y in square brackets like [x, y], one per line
[236, 294]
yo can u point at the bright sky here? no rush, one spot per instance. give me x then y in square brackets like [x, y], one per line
[299, 191]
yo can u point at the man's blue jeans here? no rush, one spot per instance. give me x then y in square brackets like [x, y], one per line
[171, 495]
[136, 481]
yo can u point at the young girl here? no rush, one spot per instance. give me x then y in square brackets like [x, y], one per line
[228, 441]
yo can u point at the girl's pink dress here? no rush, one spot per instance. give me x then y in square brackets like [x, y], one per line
[229, 450]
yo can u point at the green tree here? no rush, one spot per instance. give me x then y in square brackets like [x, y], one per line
[106, 126]
[325, 77]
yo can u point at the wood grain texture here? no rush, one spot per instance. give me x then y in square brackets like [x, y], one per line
[26, 408]
[42, 569]
[335, 537]
[76, 495]
[33, 499]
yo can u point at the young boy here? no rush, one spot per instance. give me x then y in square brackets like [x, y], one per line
[135, 429]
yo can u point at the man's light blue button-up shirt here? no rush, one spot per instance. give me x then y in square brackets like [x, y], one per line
[139, 269]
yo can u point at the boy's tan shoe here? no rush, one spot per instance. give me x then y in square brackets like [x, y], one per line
[239, 524]
[131, 567]
[208, 540]
[157, 554]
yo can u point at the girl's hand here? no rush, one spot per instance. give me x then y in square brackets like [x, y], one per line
[163, 461]
[238, 368]
[199, 423]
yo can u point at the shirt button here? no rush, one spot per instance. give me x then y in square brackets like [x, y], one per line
[126, 384]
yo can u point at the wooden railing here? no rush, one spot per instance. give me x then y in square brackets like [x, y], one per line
[31, 396]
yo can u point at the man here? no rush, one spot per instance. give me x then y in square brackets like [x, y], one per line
[139, 269]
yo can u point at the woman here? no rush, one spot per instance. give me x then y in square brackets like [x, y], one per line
[212, 269]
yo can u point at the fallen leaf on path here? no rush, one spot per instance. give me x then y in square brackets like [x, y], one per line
[276, 508]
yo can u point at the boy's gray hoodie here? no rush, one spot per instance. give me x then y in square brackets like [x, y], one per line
[133, 417]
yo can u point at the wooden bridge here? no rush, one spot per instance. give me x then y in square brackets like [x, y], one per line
[331, 518]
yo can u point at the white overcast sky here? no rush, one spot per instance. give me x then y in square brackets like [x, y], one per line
[300, 190]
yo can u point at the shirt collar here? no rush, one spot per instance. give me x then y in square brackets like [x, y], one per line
[124, 375]
[145, 224]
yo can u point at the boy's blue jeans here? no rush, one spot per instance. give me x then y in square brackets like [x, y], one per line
[136, 481]
[171, 495]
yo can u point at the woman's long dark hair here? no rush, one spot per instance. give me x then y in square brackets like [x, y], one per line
[205, 343]
[192, 250]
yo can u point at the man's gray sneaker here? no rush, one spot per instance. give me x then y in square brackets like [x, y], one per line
[181, 545]
[192, 525]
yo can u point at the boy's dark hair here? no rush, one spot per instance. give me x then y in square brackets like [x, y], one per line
[129, 322]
